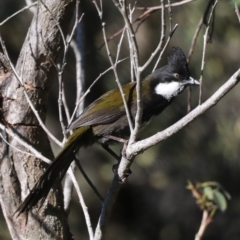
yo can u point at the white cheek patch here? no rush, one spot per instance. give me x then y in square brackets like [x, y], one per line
[169, 90]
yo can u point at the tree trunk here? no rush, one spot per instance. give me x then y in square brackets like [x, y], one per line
[20, 171]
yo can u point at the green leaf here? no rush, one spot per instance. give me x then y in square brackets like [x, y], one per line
[226, 194]
[208, 192]
[220, 200]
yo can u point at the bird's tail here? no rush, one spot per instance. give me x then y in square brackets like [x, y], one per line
[56, 171]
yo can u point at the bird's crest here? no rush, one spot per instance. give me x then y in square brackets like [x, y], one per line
[177, 58]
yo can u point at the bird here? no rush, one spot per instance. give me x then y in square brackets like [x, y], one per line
[105, 119]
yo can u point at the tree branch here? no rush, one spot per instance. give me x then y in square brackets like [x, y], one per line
[206, 219]
[160, 136]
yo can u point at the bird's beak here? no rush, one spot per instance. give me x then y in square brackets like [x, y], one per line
[191, 81]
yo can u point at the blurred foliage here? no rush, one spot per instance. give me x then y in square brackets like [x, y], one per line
[210, 196]
[154, 203]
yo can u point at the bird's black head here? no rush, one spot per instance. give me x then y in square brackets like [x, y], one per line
[173, 78]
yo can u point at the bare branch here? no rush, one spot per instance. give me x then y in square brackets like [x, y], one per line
[89, 89]
[16, 13]
[119, 47]
[145, 15]
[17, 149]
[88, 180]
[78, 50]
[114, 68]
[107, 207]
[133, 67]
[23, 143]
[206, 219]
[79, 76]
[30, 2]
[60, 70]
[60, 104]
[160, 44]
[193, 43]
[82, 203]
[135, 58]
[205, 39]
[176, 4]
[117, 79]
[213, 100]
[170, 15]
[165, 46]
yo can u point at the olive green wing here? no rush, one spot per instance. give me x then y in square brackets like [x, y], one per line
[109, 107]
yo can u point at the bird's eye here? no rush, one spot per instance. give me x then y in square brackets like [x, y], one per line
[176, 75]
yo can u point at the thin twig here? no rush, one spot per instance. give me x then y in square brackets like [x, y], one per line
[206, 219]
[60, 104]
[88, 180]
[107, 207]
[90, 87]
[144, 16]
[170, 15]
[194, 39]
[164, 47]
[205, 39]
[79, 75]
[135, 58]
[119, 47]
[17, 149]
[78, 51]
[160, 44]
[69, 180]
[193, 43]
[29, 2]
[133, 69]
[64, 101]
[176, 4]
[117, 78]
[98, 8]
[22, 142]
[66, 44]
[82, 203]
[19, 11]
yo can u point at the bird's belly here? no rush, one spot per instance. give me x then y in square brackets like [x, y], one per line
[118, 128]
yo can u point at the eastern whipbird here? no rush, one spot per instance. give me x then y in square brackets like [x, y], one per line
[106, 117]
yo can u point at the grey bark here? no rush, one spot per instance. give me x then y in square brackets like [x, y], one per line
[18, 171]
